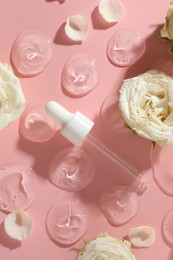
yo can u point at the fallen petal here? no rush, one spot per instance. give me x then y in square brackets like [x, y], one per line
[142, 236]
[18, 225]
[76, 27]
[111, 10]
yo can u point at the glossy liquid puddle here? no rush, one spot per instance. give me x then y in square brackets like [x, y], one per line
[80, 75]
[35, 125]
[16, 188]
[66, 222]
[31, 53]
[163, 175]
[72, 169]
[120, 204]
[125, 47]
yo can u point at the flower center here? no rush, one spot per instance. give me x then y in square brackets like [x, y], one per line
[157, 105]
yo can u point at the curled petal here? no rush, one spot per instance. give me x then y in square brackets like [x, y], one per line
[76, 27]
[111, 10]
[142, 236]
[18, 225]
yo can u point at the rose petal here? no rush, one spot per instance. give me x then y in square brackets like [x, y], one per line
[18, 225]
[111, 10]
[76, 27]
[142, 236]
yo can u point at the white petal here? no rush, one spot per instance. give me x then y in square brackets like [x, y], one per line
[18, 225]
[12, 100]
[111, 10]
[16, 100]
[142, 236]
[76, 27]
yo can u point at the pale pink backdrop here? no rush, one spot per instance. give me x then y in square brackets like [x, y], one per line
[49, 16]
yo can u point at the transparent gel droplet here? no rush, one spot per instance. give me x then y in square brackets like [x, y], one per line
[163, 176]
[16, 188]
[35, 125]
[72, 169]
[66, 222]
[167, 228]
[80, 75]
[111, 115]
[120, 204]
[31, 53]
[125, 47]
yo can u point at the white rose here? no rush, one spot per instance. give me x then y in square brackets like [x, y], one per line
[105, 247]
[167, 29]
[12, 101]
[146, 103]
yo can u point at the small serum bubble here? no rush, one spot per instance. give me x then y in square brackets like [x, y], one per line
[4, 205]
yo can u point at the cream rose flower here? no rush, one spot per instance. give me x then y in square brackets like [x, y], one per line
[105, 247]
[146, 103]
[12, 101]
[167, 29]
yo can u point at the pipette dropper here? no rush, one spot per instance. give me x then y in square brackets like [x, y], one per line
[76, 127]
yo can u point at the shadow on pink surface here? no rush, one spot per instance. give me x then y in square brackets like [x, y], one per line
[170, 256]
[161, 157]
[98, 22]
[60, 1]
[155, 49]
[62, 39]
[6, 241]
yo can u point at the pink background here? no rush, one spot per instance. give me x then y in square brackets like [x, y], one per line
[49, 16]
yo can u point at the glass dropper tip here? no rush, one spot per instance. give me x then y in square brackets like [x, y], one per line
[76, 127]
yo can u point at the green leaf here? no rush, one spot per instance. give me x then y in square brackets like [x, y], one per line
[128, 127]
[171, 49]
[167, 22]
[80, 251]
[154, 144]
